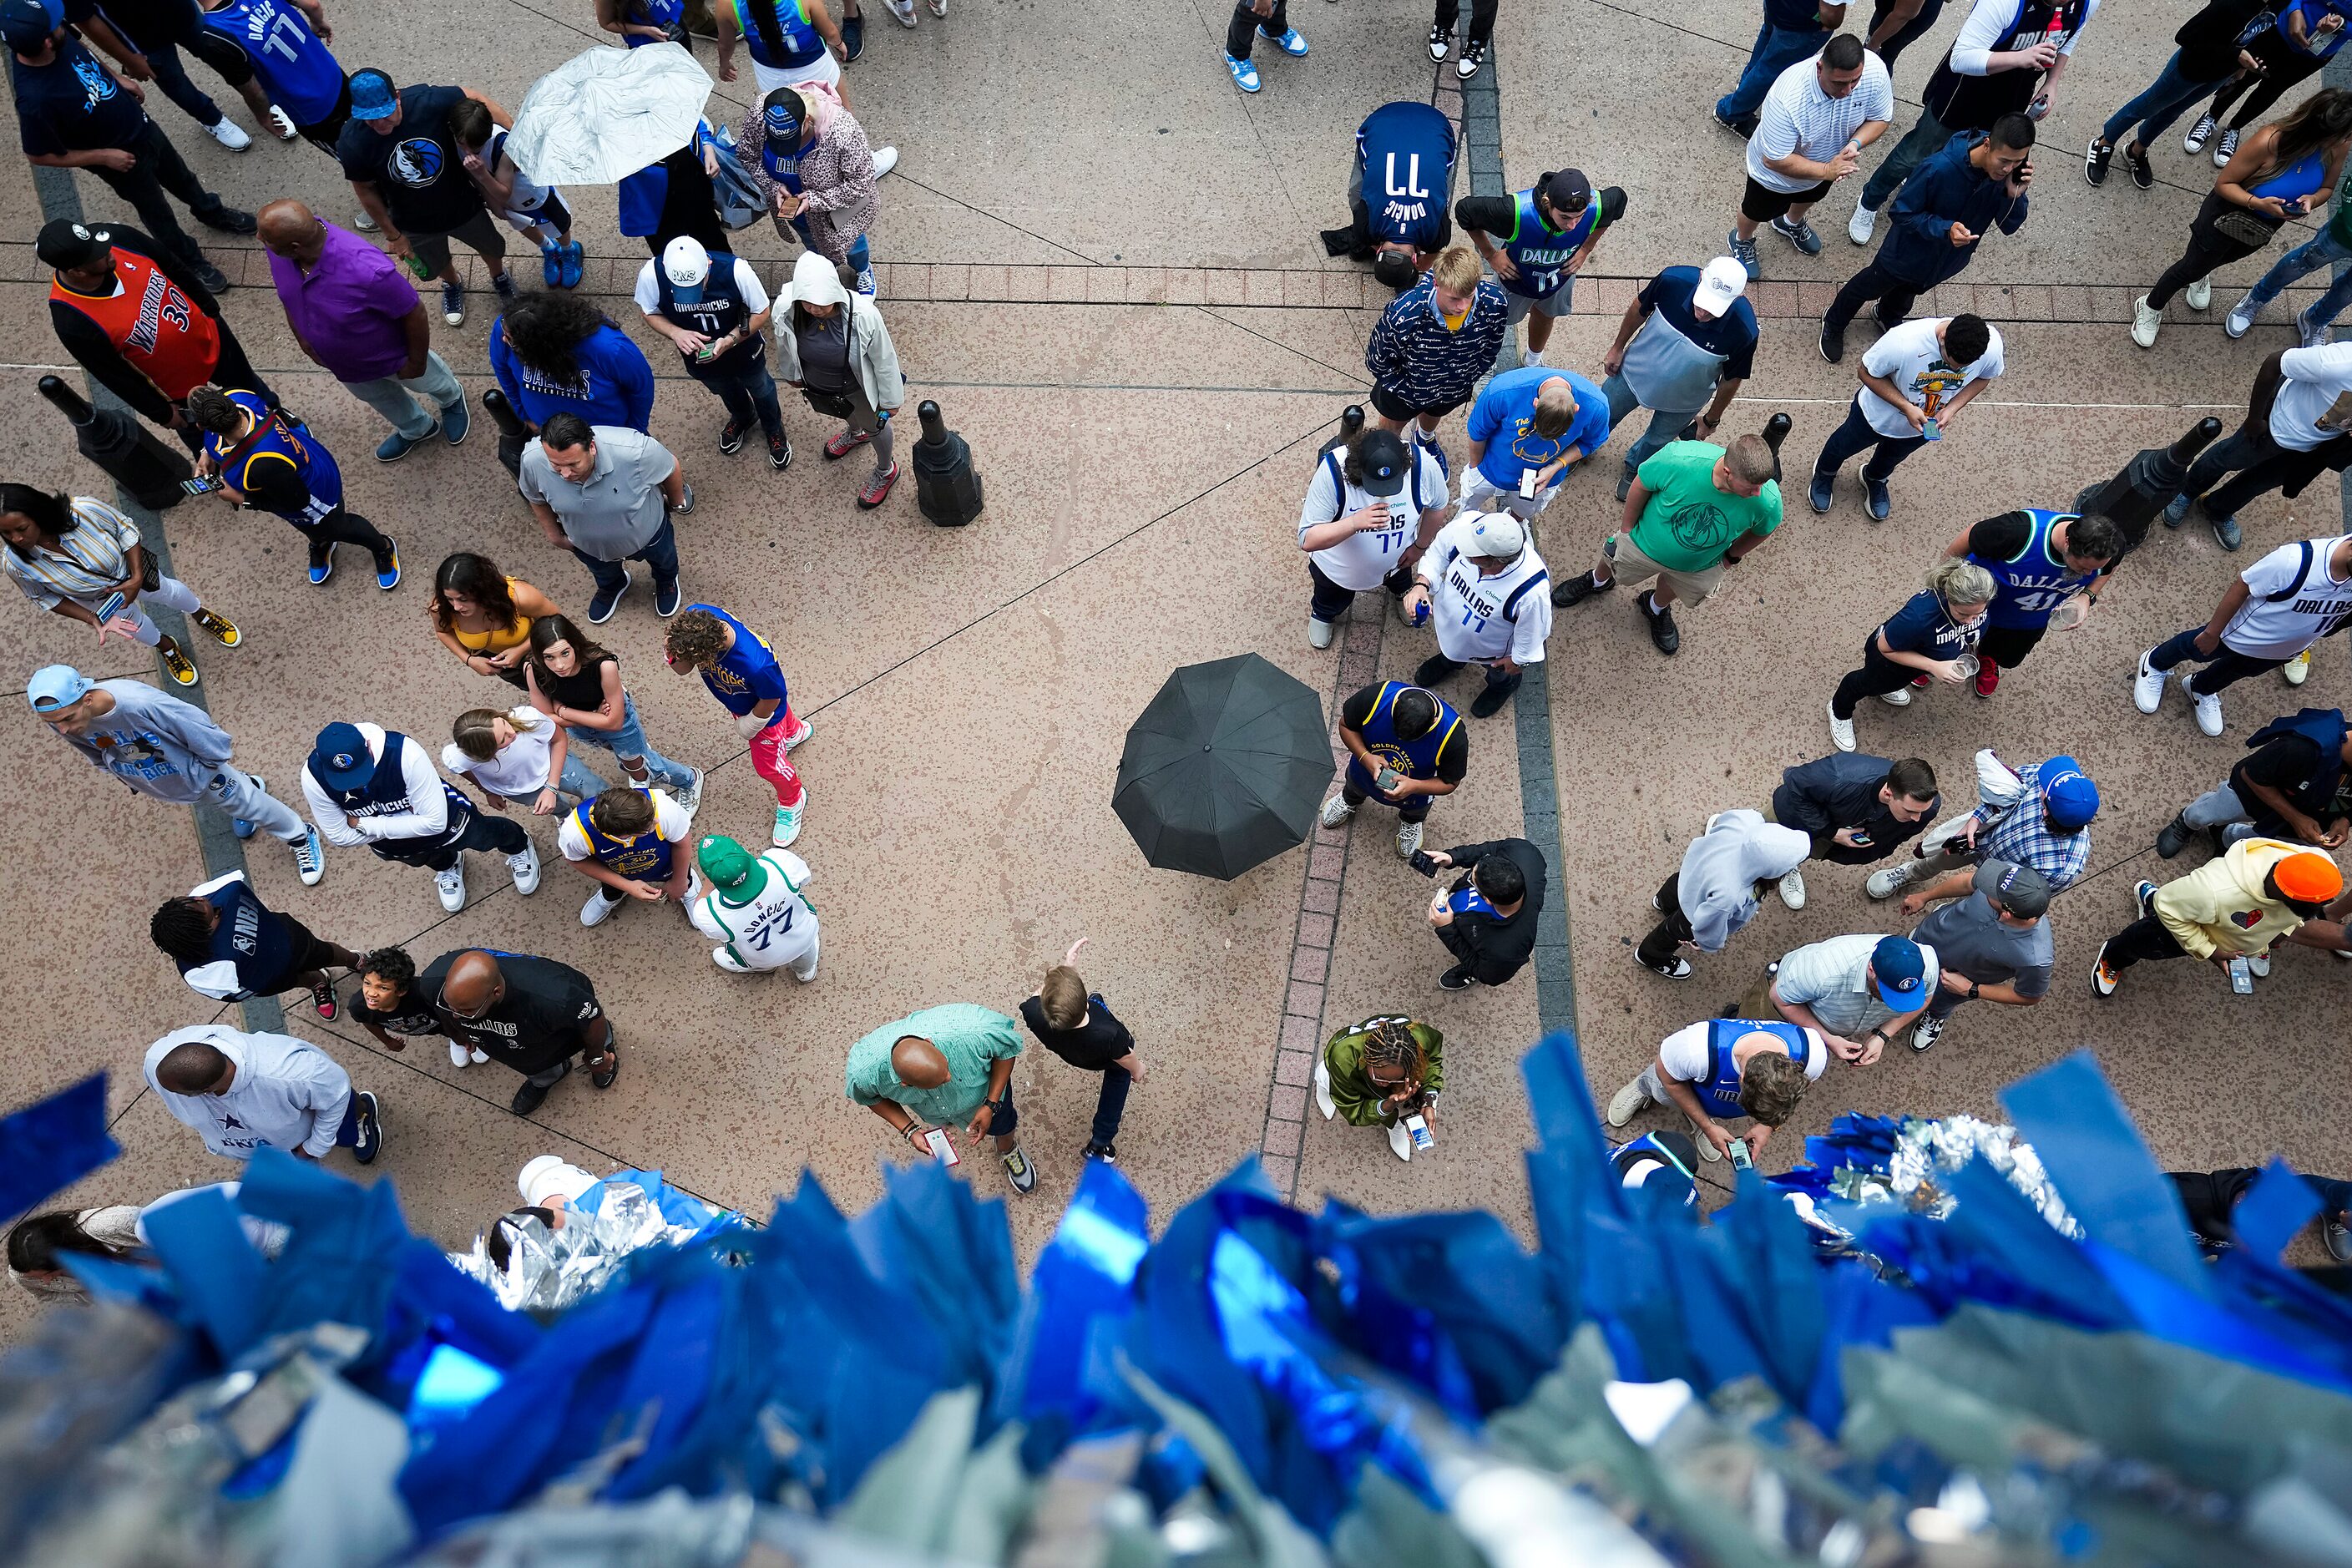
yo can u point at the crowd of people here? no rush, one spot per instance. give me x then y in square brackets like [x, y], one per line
[1385, 513]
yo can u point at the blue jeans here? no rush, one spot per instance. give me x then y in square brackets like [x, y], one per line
[1926, 139]
[1666, 424]
[750, 395]
[2156, 107]
[1848, 440]
[2323, 249]
[1776, 50]
[628, 746]
[660, 552]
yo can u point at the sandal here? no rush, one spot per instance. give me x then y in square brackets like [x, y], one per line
[612, 1071]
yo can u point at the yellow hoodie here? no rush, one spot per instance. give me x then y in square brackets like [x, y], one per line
[2221, 907]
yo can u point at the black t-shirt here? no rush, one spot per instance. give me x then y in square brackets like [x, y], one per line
[1453, 764]
[417, 167]
[275, 486]
[1496, 947]
[539, 1021]
[73, 104]
[1094, 1045]
[1999, 538]
[412, 1015]
[2291, 764]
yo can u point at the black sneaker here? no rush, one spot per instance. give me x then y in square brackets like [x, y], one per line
[780, 452]
[852, 37]
[211, 277]
[602, 605]
[322, 998]
[528, 1099]
[2095, 162]
[1441, 42]
[2136, 161]
[1107, 1153]
[2173, 837]
[1576, 590]
[666, 598]
[1456, 979]
[369, 1130]
[730, 436]
[1744, 127]
[1832, 341]
[1664, 633]
[228, 220]
[1435, 668]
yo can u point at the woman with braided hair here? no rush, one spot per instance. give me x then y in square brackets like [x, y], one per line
[1379, 1072]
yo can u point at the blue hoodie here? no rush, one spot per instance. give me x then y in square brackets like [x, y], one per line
[616, 386]
[1942, 191]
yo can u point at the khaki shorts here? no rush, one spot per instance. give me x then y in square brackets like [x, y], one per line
[1631, 568]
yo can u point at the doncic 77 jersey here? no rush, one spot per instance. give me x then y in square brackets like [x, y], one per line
[295, 68]
[777, 926]
[1481, 617]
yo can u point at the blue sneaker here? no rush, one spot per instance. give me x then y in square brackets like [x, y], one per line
[1444, 463]
[456, 420]
[369, 1133]
[1876, 499]
[551, 265]
[1822, 490]
[1244, 73]
[1292, 43]
[387, 570]
[394, 447]
[573, 264]
[322, 564]
[2176, 511]
[2226, 532]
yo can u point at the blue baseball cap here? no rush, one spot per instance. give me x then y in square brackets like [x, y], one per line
[373, 95]
[1902, 973]
[2072, 799]
[340, 757]
[27, 24]
[56, 686]
[782, 114]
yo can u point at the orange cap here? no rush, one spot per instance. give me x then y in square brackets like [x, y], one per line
[2308, 878]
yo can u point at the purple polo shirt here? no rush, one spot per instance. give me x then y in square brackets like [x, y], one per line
[349, 307]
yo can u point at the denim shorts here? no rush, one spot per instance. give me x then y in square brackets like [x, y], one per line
[628, 741]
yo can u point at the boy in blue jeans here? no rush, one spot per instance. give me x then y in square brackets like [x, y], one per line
[1078, 1026]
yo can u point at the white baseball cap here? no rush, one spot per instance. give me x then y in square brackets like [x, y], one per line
[1498, 536]
[1722, 281]
[686, 264]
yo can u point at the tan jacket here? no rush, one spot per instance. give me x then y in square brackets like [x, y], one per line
[2221, 906]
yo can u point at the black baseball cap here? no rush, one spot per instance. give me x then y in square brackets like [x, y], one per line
[1567, 191]
[64, 243]
[1381, 459]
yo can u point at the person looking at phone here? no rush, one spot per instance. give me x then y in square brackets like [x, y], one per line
[76, 557]
[1382, 1072]
[2044, 824]
[1974, 184]
[2290, 51]
[1727, 1069]
[2279, 173]
[1994, 943]
[625, 841]
[2296, 783]
[257, 457]
[2261, 892]
[942, 1069]
[1915, 379]
[1487, 918]
[1856, 992]
[2210, 55]
[1374, 504]
[1930, 638]
[1857, 808]
[1405, 748]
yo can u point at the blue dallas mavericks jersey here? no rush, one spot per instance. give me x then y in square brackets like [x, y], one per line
[644, 857]
[299, 75]
[386, 794]
[274, 439]
[2034, 582]
[1415, 759]
[1405, 152]
[1540, 251]
[1718, 1093]
[662, 13]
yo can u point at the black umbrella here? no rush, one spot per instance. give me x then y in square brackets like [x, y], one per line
[1225, 769]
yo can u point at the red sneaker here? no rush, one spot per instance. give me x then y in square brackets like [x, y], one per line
[878, 490]
[1987, 676]
[1920, 681]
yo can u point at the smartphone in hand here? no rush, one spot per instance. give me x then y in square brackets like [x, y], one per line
[202, 485]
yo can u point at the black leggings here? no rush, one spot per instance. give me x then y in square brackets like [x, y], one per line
[1246, 22]
[1482, 18]
[1674, 928]
[1878, 673]
[1873, 284]
[2209, 251]
[344, 526]
[2007, 645]
[2293, 66]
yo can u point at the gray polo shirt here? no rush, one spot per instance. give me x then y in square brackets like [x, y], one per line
[1972, 943]
[1832, 978]
[618, 508]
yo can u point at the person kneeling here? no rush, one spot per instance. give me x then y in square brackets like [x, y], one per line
[1728, 1069]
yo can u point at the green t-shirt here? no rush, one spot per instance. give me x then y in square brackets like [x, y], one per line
[1689, 523]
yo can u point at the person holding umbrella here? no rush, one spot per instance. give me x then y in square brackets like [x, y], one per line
[1225, 769]
[1487, 591]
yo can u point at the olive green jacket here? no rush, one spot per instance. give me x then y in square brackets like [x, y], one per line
[1353, 1090]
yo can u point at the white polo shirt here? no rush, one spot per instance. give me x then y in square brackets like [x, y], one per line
[1798, 117]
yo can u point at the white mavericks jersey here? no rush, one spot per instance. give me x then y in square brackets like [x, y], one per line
[1481, 618]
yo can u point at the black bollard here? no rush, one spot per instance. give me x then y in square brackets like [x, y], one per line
[1776, 430]
[1351, 419]
[2146, 485]
[513, 434]
[126, 450]
[947, 487]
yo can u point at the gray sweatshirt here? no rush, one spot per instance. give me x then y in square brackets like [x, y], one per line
[1722, 867]
[155, 743]
[288, 1093]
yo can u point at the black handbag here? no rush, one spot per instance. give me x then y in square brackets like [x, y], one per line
[832, 404]
[2240, 227]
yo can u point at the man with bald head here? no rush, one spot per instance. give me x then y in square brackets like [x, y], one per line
[942, 1069]
[242, 1091]
[534, 1015]
[359, 319]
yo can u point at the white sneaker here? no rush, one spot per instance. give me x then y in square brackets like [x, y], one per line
[309, 859]
[364, 222]
[2148, 686]
[462, 1056]
[2257, 965]
[2241, 318]
[2297, 669]
[1709, 1152]
[1841, 730]
[2200, 294]
[230, 134]
[2308, 335]
[1319, 633]
[729, 962]
[598, 907]
[1323, 1101]
[1400, 1141]
[1792, 890]
[525, 868]
[451, 885]
[884, 159]
[1898, 697]
[1860, 227]
[1626, 1104]
[690, 798]
[2209, 709]
[1336, 810]
[1532, 356]
[788, 824]
[1408, 839]
[1893, 879]
[2147, 322]
[793, 740]
[1926, 1031]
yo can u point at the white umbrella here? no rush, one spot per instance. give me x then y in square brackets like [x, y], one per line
[602, 115]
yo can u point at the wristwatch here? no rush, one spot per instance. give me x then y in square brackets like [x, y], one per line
[1974, 989]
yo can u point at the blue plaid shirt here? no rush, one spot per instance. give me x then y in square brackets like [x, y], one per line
[2021, 834]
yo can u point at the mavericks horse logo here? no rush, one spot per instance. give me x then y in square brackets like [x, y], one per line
[416, 162]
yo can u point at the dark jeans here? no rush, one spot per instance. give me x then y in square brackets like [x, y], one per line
[2222, 668]
[1482, 18]
[660, 552]
[344, 526]
[1673, 930]
[172, 78]
[2248, 451]
[2007, 645]
[2145, 938]
[1893, 296]
[2293, 66]
[1110, 1103]
[160, 170]
[493, 835]
[1330, 601]
[1850, 439]
[750, 395]
[1415, 809]
[1878, 673]
[1437, 666]
[1775, 50]
[1246, 21]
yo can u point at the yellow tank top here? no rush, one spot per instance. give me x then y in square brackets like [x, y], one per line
[499, 640]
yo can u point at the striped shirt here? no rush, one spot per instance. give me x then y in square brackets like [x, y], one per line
[1418, 361]
[85, 565]
[1798, 117]
[2022, 834]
